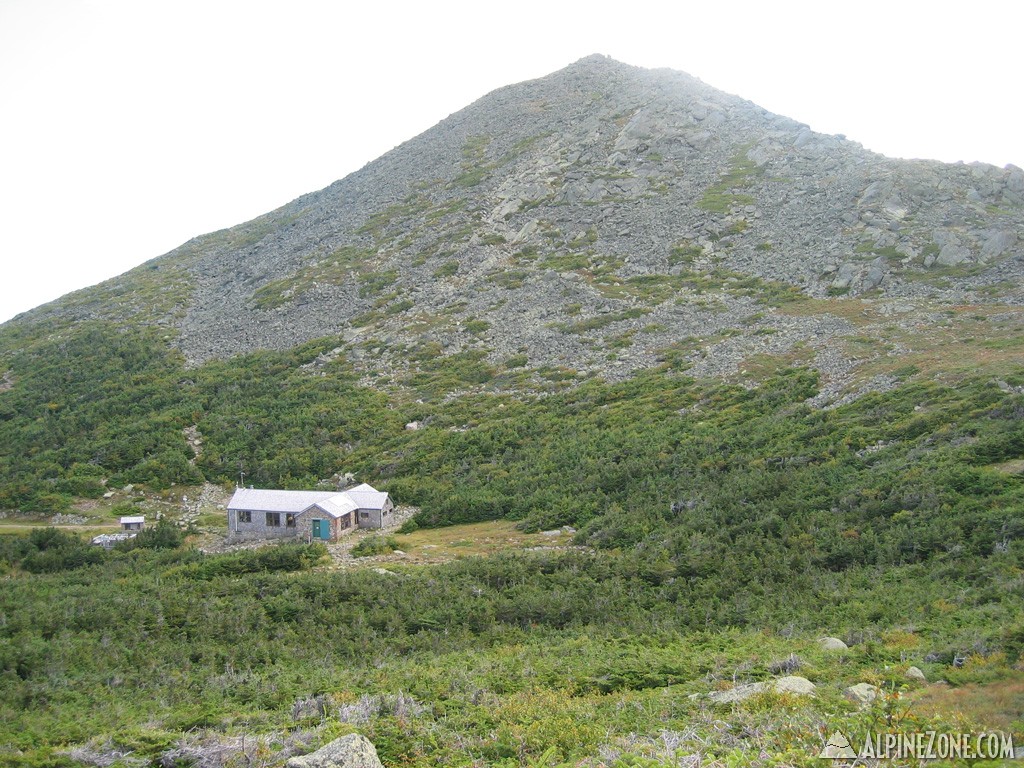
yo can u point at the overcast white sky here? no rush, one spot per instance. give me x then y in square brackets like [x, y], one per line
[128, 127]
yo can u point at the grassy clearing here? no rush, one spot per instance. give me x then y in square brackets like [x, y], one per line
[854, 311]
[342, 265]
[472, 539]
[940, 276]
[972, 338]
[761, 367]
[1015, 467]
[725, 195]
[997, 705]
[9, 528]
[967, 339]
[474, 167]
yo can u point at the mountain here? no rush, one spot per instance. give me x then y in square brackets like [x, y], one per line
[592, 219]
[597, 225]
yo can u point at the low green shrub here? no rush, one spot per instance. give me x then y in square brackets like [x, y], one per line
[375, 545]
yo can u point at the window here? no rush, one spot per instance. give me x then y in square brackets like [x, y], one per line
[273, 519]
[346, 520]
[364, 515]
[289, 521]
[244, 516]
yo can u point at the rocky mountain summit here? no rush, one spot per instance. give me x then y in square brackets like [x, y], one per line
[597, 220]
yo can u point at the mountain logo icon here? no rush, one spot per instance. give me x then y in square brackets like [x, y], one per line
[838, 748]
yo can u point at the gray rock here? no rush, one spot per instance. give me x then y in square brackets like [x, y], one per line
[997, 243]
[875, 273]
[915, 673]
[833, 644]
[952, 254]
[352, 751]
[1015, 180]
[845, 276]
[951, 250]
[873, 192]
[760, 155]
[794, 684]
[805, 137]
[861, 694]
[67, 519]
[738, 693]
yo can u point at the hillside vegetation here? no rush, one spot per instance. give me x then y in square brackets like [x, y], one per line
[885, 478]
[531, 659]
[730, 528]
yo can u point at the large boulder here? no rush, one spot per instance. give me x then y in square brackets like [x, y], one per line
[833, 644]
[861, 694]
[915, 673]
[876, 273]
[845, 276]
[794, 684]
[952, 251]
[739, 693]
[352, 751]
[997, 242]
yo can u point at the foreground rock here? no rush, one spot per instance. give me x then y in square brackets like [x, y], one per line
[861, 694]
[352, 751]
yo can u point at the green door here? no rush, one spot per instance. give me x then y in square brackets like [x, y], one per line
[320, 529]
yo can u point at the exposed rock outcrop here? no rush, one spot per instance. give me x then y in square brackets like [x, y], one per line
[352, 751]
[833, 644]
[915, 673]
[592, 220]
[792, 684]
[861, 694]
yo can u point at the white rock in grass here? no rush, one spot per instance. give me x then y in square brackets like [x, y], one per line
[794, 684]
[833, 644]
[352, 751]
[799, 686]
[861, 694]
[915, 673]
